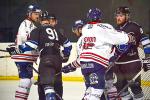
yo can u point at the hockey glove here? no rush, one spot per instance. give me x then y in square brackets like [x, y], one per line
[65, 56]
[146, 64]
[68, 68]
[112, 60]
[13, 50]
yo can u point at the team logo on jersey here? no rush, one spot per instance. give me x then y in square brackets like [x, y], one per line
[89, 42]
[93, 78]
[90, 26]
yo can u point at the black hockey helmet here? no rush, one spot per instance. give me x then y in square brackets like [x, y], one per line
[45, 15]
[122, 10]
[52, 16]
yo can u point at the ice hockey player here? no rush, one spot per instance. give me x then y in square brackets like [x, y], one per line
[95, 48]
[129, 63]
[48, 41]
[77, 30]
[50, 19]
[25, 60]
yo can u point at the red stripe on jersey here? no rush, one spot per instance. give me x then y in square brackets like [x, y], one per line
[95, 55]
[21, 97]
[26, 55]
[22, 93]
[75, 64]
[24, 59]
[100, 62]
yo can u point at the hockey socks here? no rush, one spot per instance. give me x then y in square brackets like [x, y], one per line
[112, 93]
[50, 93]
[23, 89]
[93, 94]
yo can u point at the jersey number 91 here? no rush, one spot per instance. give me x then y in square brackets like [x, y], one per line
[52, 34]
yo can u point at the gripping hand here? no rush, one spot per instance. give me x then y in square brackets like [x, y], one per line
[13, 50]
[68, 68]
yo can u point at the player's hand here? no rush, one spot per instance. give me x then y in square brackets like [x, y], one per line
[64, 56]
[112, 60]
[13, 50]
[65, 59]
[68, 68]
[146, 64]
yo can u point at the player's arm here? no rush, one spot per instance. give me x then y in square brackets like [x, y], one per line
[145, 41]
[23, 31]
[75, 64]
[71, 67]
[20, 39]
[67, 47]
[32, 43]
[120, 37]
[115, 37]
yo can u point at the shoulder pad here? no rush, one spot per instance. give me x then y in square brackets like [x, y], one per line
[107, 25]
[134, 23]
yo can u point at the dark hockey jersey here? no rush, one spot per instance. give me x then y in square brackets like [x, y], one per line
[48, 40]
[131, 54]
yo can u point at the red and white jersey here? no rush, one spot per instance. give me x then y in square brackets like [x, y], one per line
[24, 31]
[23, 34]
[96, 42]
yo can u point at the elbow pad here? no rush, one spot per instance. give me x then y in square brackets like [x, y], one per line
[28, 46]
[145, 41]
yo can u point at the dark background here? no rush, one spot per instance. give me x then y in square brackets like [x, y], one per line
[12, 13]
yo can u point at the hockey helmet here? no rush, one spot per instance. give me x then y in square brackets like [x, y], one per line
[122, 10]
[44, 15]
[52, 16]
[78, 24]
[94, 14]
[33, 8]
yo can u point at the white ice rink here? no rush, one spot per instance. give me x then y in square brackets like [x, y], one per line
[72, 90]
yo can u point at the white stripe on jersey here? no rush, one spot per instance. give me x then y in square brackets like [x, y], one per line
[32, 45]
[67, 43]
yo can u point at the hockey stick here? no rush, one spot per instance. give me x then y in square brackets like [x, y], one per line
[111, 65]
[146, 60]
[130, 82]
[10, 56]
[5, 56]
[3, 50]
[34, 69]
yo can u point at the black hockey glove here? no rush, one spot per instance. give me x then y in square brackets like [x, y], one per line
[13, 50]
[64, 56]
[146, 64]
[65, 59]
[68, 68]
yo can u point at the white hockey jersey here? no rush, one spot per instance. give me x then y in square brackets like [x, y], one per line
[23, 33]
[96, 43]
